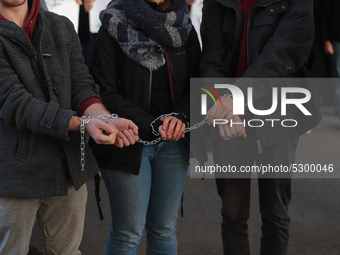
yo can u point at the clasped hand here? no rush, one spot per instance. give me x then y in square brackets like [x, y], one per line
[172, 129]
[225, 111]
[120, 132]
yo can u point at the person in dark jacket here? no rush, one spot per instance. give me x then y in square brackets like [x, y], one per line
[44, 87]
[256, 39]
[144, 55]
[330, 36]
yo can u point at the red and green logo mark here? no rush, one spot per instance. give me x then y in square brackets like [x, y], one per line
[209, 93]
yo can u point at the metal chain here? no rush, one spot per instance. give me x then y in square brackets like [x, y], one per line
[196, 126]
[188, 129]
[162, 116]
[84, 120]
[147, 143]
[159, 139]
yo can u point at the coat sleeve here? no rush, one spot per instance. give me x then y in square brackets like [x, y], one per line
[21, 110]
[289, 47]
[105, 71]
[82, 83]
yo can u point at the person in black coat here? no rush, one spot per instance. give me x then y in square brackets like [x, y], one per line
[248, 39]
[144, 56]
[329, 28]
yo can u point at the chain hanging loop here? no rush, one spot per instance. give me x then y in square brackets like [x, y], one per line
[84, 120]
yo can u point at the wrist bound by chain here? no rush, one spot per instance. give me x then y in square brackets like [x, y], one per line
[156, 133]
[84, 120]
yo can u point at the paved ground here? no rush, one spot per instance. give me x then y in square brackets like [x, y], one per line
[314, 210]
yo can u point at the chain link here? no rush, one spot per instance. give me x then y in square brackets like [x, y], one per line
[153, 142]
[196, 126]
[84, 120]
[162, 116]
[159, 139]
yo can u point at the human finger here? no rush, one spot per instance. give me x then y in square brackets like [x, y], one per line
[223, 133]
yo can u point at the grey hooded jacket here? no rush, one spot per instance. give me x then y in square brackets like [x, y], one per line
[41, 87]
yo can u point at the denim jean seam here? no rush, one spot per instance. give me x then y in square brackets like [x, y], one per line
[159, 148]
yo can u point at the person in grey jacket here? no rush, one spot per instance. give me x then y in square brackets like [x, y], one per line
[44, 87]
[257, 39]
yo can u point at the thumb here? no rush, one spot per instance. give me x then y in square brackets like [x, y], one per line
[107, 128]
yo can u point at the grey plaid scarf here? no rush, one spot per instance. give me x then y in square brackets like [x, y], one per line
[143, 33]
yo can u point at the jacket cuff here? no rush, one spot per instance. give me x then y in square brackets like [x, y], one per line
[56, 121]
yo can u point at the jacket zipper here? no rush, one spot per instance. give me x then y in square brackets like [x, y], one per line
[150, 87]
[46, 95]
[167, 56]
[258, 142]
[39, 71]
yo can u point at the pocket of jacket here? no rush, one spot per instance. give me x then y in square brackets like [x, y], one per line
[271, 15]
[266, 20]
[24, 146]
[277, 7]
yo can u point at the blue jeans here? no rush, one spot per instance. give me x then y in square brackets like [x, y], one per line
[335, 72]
[149, 200]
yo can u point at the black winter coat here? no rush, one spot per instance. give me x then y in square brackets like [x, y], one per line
[280, 37]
